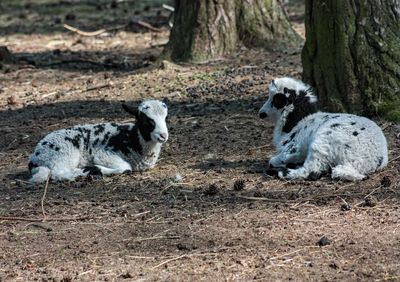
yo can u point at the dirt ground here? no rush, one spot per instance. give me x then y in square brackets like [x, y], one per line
[207, 211]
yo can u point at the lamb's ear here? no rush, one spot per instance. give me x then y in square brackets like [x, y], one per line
[130, 110]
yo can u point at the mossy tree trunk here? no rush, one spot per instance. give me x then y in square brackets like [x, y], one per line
[206, 29]
[352, 54]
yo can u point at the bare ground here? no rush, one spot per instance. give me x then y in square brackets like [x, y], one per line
[224, 220]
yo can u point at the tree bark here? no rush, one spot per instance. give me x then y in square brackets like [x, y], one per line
[352, 55]
[206, 29]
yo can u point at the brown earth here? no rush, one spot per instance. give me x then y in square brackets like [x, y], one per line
[224, 220]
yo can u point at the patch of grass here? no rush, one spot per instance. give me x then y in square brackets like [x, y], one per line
[390, 111]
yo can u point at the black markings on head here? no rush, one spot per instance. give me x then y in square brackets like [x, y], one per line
[335, 125]
[99, 128]
[75, 140]
[362, 128]
[37, 153]
[355, 133]
[146, 125]
[302, 108]
[290, 93]
[31, 165]
[279, 101]
[126, 140]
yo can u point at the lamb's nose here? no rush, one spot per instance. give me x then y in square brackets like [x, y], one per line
[164, 136]
[263, 115]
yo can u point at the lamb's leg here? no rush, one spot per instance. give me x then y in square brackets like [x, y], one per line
[314, 166]
[111, 163]
[59, 174]
[347, 172]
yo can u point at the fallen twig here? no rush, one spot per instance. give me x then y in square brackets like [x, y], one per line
[17, 218]
[44, 197]
[93, 33]
[147, 25]
[168, 260]
[265, 199]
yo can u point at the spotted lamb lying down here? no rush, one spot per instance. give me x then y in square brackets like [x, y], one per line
[310, 143]
[104, 148]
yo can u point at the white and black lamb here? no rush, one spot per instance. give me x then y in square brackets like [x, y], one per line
[104, 148]
[310, 143]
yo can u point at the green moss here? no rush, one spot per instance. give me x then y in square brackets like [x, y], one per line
[390, 111]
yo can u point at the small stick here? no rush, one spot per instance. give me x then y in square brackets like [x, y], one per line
[92, 33]
[259, 147]
[265, 199]
[168, 260]
[147, 25]
[16, 218]
[44, 197]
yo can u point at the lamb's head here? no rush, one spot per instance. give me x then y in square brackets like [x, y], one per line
[288, 95]
[151, 120]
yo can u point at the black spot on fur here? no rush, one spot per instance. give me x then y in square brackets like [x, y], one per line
[86, 138]
[285, 143]
[113, 124]
[146, 125]
[99, 128]
[51, 146]
[75, 141]
[31, 165]
[126, 140]
[302, 108]
[335, 125]
[37, 153]
[105, 138]
[93, 170]
[44, 143]
[347, 146]
[329, 132]
[335, 116]
[96, 141]
[380, 161]
[293, 135]
[362, 128]
[355, 133]
[57, 148]
[279, 101]
[293, 150]
[90, 151]
[352, 123]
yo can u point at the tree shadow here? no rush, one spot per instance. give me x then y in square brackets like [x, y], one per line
[94, 61]
[45, 17]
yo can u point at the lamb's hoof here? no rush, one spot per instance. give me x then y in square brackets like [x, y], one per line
[313, 176]
[283, 173]
[93, 171]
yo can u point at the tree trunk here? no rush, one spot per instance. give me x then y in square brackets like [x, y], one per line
[352, 55]
[206, 29]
